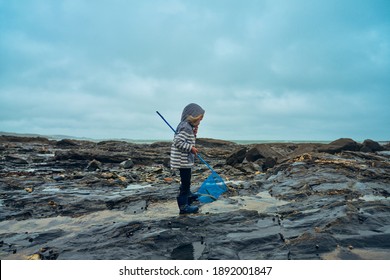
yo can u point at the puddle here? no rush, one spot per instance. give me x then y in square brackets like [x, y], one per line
[97, 194]
[137, 187]
[46, 156]
[71, 226]
[356, 254]
[161, 210]
[260, 203]
[64, 191]
[155, 211]
[52, 189]
[384, 153]
[191, 251]
[371, 197]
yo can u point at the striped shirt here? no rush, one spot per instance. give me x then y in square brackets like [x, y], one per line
[184, 140]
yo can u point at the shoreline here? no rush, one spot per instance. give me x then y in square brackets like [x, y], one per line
[152, 141]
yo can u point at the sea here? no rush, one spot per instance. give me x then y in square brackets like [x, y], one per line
[151, 141]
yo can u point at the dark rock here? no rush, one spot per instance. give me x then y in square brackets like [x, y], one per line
[66, 143]
[236, 157]
[94, 165]
[208, 142]
[342, 144]
[262, 151]
[59, 178]
[161, 144]
[73, 155]
[21, 139]
[370, 146]
[102, 156]
[16, 159]
[127, 164]
[248, 167]
[269, 162]
[48, 253]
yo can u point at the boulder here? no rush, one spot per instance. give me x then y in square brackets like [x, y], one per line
[212, 143]
[127, 164]
[339, 145]
[66, 143]
[94, 165]
[236, 157]
[269, 162]
[262, 151]
[370, 146]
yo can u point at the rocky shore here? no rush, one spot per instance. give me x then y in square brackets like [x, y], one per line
[72, 199]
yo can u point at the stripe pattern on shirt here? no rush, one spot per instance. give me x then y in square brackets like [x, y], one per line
[181, 156]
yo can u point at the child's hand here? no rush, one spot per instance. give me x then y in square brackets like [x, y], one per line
[195, 130]
[194, 150]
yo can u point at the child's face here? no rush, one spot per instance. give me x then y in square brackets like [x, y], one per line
[198, 121]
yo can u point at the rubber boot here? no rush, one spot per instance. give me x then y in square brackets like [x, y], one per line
[192, 198]
[182, 202]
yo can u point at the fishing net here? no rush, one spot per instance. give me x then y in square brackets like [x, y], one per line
[211, 188]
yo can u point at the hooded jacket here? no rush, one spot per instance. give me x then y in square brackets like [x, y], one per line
[184, 140]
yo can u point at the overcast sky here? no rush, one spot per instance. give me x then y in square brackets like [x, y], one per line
[263, 70]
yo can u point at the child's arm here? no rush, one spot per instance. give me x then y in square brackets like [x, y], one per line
[183, 141]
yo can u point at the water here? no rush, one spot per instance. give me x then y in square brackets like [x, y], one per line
[191, 251]
[370, 197]
[263, 202]
[341, 253]
[137, 187]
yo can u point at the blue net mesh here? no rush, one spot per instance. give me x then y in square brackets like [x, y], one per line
[211, 188]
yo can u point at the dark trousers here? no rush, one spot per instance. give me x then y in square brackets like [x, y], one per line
[185, 178]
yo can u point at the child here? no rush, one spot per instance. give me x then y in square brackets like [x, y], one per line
[183, 153]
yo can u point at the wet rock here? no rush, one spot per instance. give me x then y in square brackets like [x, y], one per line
[16, 159]
[284, 201]
[48, 253]
[248, 168]
[58, 178]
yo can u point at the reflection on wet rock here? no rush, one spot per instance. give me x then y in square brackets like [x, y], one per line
[73, 199]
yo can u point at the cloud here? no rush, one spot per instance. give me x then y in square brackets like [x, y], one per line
[261, 69]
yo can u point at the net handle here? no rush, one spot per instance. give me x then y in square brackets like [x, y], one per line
[201, 159]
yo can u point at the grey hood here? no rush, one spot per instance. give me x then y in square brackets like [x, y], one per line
[191, 109]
